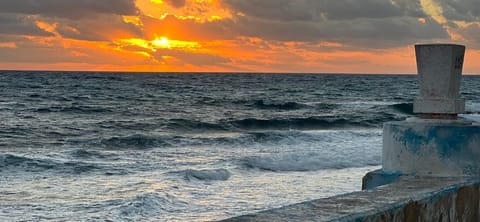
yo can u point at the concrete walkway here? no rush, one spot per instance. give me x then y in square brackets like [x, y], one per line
[408, 199]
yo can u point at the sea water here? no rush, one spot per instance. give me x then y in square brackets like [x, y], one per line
[78, 146]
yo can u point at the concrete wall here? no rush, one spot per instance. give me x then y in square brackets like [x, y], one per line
[432, 147]
[408, 199]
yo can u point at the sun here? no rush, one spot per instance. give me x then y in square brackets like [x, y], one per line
[161, 42]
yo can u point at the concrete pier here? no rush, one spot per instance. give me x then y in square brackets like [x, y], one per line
[437, 142]
[430, 163]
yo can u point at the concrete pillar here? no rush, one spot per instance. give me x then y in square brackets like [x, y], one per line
[437, 142]
[440, 71]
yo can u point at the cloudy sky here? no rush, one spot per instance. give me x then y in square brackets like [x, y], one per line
[341, 36]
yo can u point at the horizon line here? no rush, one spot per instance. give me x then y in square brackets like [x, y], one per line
[216, 72]
[204, 72]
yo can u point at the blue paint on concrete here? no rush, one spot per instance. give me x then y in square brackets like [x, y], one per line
[449, 141]
[455, 147]
[412, 141]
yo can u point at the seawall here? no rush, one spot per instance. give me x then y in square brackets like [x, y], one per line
[409, 198]
[430, 164]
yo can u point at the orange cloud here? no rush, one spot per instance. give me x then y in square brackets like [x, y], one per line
[8, 45]
[232, 35]
[198, 10]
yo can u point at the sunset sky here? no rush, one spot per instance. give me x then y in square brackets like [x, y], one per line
[321, 36]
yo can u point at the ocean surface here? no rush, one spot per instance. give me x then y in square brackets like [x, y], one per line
[190, 147]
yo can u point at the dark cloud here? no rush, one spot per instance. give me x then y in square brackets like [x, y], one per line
[102, 28]
[353, 9]
[465, 10]
[14, 24]
[54, 51]
[359, 32]
[463, 18]
[96, 20]
[279, 10]
[29, 52]
[73, 9]
[366, 23]
[385, 32]
[411, 8]
[471, 34]
[176, 3]
[317, 10]
[17, 39]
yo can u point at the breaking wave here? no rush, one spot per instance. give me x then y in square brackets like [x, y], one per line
[136, 141]
[89, 154]
[472, 108]
[312, 123]
[263, 104]
[14, 162]
[146, 205]
[73, 109]
[267, 137]
[405, 108]
[206, 175]
[192, 125]
[311, 162]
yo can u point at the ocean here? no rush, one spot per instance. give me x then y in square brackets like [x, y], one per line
[85, 146]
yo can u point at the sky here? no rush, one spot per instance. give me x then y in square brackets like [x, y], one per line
[314, 36]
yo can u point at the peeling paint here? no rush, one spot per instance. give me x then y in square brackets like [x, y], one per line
[426, 148]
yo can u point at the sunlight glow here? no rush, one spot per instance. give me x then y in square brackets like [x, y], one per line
[162, 42]
[159, 43]
[215, 17]
[46, 27]
[433, 9]
[132, 20]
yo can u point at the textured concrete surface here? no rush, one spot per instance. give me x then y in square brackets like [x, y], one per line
[440, 70]
[431, 147]
[408, 199]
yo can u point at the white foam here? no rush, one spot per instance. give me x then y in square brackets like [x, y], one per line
[208, 175]
[148, 204]
[473, 110]
[472, 107]
[308, 162]
[328, 150]
[471, 117]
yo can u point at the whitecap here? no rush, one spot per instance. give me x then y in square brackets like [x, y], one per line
[206, 174]
[306, 162]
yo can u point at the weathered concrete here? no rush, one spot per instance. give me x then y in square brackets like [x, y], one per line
[438, 143]
[408, 199]
[425, 147]
[440, 71]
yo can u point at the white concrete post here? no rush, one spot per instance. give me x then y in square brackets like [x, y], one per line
[440, 71]
[438, 143]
